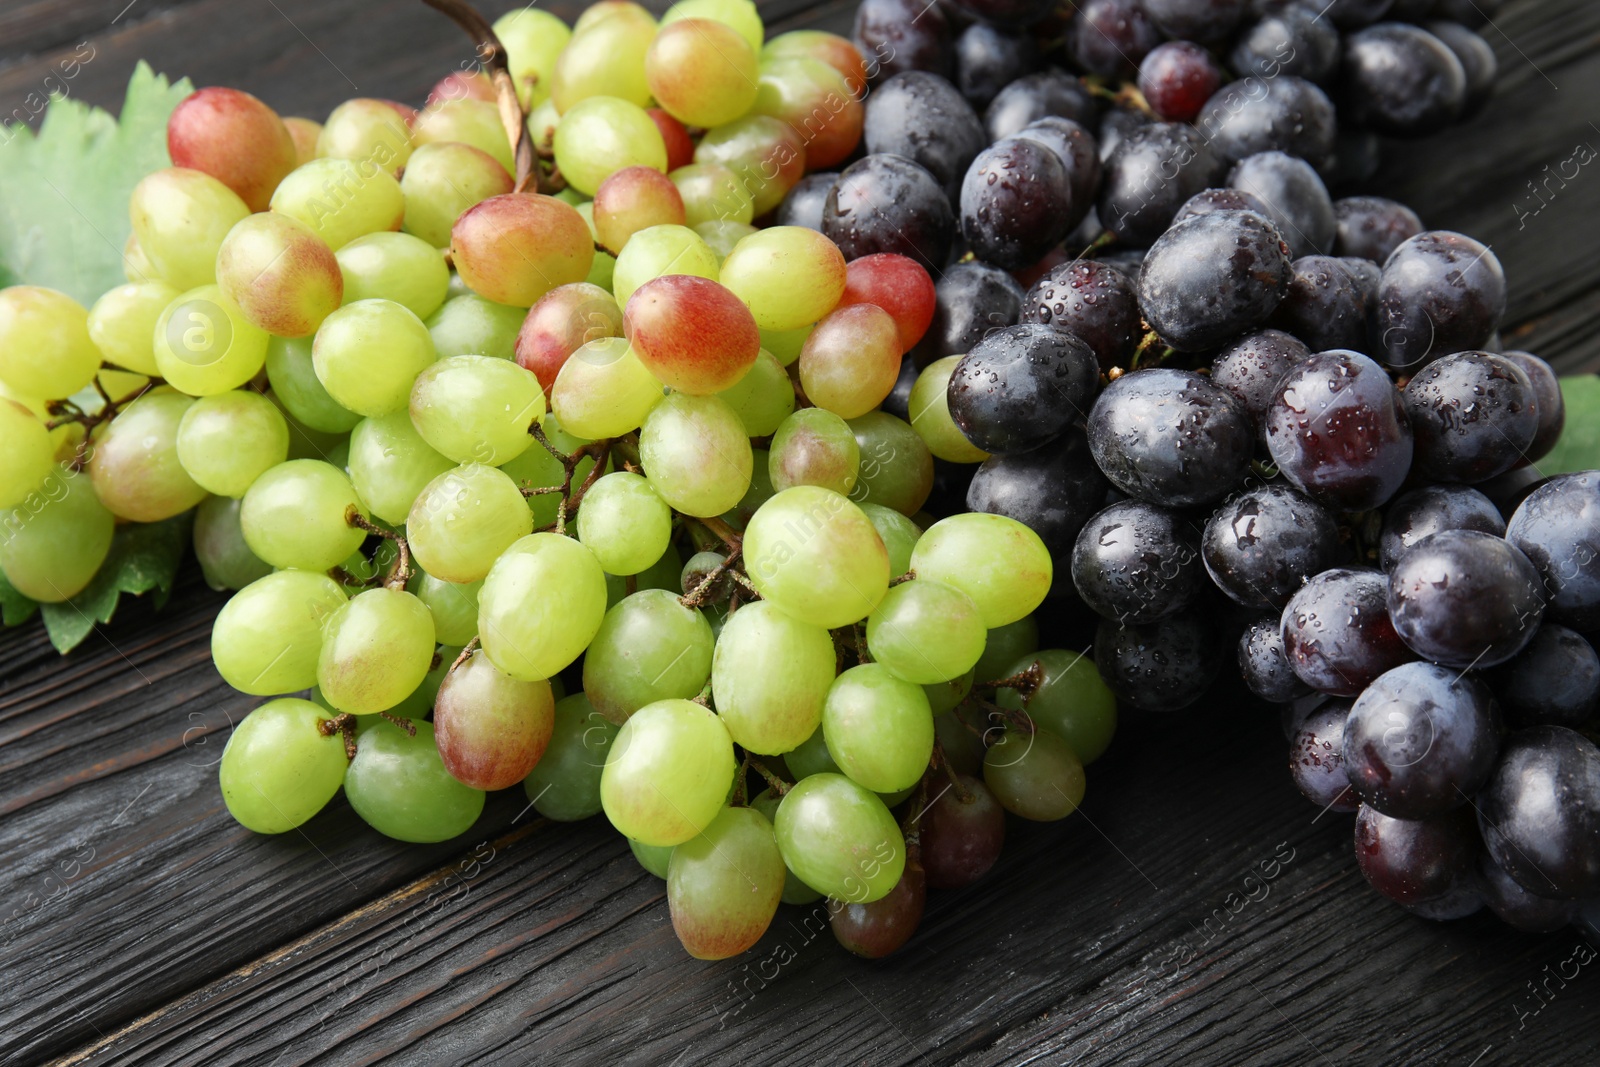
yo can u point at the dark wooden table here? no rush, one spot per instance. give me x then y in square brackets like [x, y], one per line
[147, 927]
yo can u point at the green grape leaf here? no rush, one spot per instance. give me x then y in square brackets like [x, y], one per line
[15, 609]
[64, 191]
[1579, 447]
[144, 556]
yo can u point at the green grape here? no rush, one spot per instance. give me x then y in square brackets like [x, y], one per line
[944, 696]
[930, 415]
[491, 729]
[122, 323]
[763, 398]
[398, 784]
[533, 40]
[180, 218]
[601, 135]
[225, 560]
[204, 345]
[540, 605]
[294, 515]
[306, 443]
[537, 468]
[464, 519]
[53, 542]
[814, 447]
[649, 648]
[469, 325]
[280, 274]
[390, 465]
[899, 534]
[712, 193]
[397, 267]
[742, 15]
[811, 756]
[788, 276]
[926, 632]
[477, 409]
[27, 455]
[998, 562]
[767, 154]
[603, 270]
[266, 640]
[656, 251]
[625, 523]
[817, 557]
[376, 648]
[839, 839]
[565, 784]
[418, 704]
[668, 773]
[465, 121]
[662, 574]
[1036, 776]
[794, 890]
[603, 61]
[227, 441]
[375, 134]
[896, 466]
[759, 493]
[724, 885]
[341, 199]
[720, 235]
[657, 859]
[136, 266]
[696, 454]
[786, 344]
[1071, 702]
[602, 10]
[878, 728]
[279, 768]
[1004, 646]
[134, 463]
[293, 376]
[368, 353]
[453, 605]
[769, 676]
[701, 72]
[443, 180]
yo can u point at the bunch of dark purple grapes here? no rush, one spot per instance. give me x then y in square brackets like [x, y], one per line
[1239, 410]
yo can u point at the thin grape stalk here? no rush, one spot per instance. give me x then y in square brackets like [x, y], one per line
[570, 499]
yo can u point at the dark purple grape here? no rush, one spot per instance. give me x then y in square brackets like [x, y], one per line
[1420, 513]
[1078, 152]
[802, 205]
[1264, 667]
[875, 930]
[1297, 202]
[1212, 201]
[922, 117]
[1470, 13]
[1442, 292]
[1177, 78]
[1547, 397]
[1262, 545]
[1052, 490]
[1016, 203]
[1129, 261]
[1420, 740]
[1371, 227]
[1252, 367]
[961, 839]
[1206, 21]
[1316, 758]
[1110, 37]
[1337, 634]
[1020, 387]
[1357, 155]
[1400, 80]
[1154, 169]
[1477, 62]
[1473, 416]
[889, 204]
[898, 35]
[1213, 277]
[1034, 96]
[1325, 306]
[1367, 276]
[1136, 563]
[1558, 528]
[1117, 123]
[1170, 437]
[1413, 860]
[971, 300]
[1337, 430]
[1465, 599]
[1284, 114]
[1291, 41]
[1509, 490]
[1164, 666]
[1540, 812]
[1518, 908]
[1353, 14]
[1092, 300]
[1464, 897]
[988, 58]
[1007, 12]
[1554, 681]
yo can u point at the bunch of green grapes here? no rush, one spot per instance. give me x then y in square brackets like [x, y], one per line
[571, 479]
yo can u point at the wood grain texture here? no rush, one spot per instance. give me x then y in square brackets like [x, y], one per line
[139, 924]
